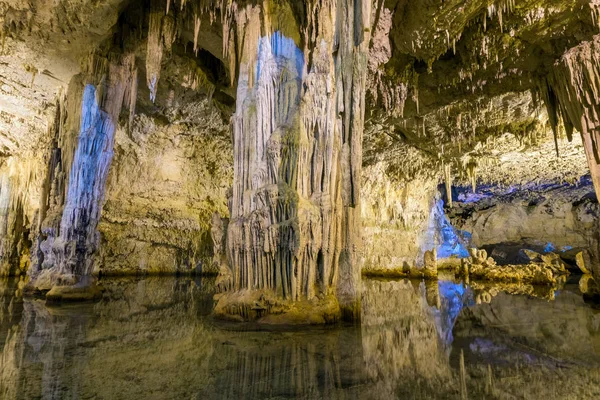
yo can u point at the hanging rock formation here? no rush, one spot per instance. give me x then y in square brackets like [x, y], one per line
[573, 93]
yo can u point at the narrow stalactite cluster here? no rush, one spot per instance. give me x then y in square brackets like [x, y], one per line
[16, 185]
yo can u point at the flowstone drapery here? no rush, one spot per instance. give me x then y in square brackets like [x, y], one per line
[294, 233]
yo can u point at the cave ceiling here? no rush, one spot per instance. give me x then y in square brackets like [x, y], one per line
[444, 76]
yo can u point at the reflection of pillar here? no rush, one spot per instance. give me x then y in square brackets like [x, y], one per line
[403, 347]
[432, 293]
[319, 366]
[38, 361]
[11, 307]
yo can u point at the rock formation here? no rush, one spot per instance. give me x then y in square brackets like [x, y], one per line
[549, 270]
[572, 93]
[297, 133]
[80, 157]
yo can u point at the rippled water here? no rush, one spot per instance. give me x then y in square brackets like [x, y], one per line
[154, 339]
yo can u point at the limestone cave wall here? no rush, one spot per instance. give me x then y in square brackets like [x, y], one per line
[167, 179]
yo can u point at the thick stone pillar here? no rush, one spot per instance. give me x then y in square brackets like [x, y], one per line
[297, 132]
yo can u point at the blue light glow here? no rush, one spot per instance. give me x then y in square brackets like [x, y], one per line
[453, 296]
[449, 242]
[549, 247]
[90, 168]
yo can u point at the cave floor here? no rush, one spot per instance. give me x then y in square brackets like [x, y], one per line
[154, 338]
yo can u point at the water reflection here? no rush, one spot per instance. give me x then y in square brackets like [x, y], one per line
[154, 338]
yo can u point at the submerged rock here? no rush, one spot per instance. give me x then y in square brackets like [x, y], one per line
[59, 294]
[265, 307]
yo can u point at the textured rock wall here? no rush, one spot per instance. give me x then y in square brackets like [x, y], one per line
[167, 179]
[553, 217]
[396, 216]
[563, 217]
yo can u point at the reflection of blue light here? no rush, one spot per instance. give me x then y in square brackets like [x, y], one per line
[566, 248]
[549, 247]
[451, 244]
[450, 289]
[453, 298]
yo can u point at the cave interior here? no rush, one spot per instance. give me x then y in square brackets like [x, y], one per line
[307, 199]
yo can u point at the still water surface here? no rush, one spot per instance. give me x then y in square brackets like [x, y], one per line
[154, 339]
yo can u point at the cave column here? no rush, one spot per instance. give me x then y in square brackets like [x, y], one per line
[297, 130]
[79, 160]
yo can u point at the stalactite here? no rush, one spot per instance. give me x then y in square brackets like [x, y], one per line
[448, 182]
[168, 32]
[196, 33]
[574, 93]
[470, 165]
[154, 51]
